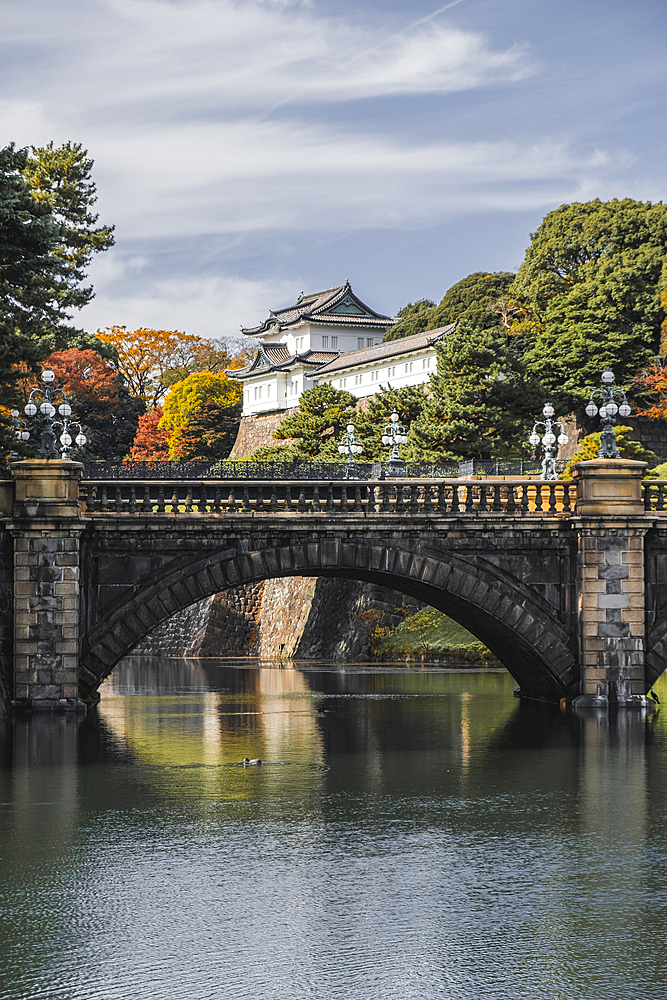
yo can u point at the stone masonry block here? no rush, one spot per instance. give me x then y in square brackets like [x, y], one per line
[609, 542]
[613, 601]
[612, 630]
[633, 587]
[633, 556]
[613, 572]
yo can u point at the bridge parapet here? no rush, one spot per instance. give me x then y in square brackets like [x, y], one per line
[437, 497]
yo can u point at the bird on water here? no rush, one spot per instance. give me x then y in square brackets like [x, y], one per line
[247, 761]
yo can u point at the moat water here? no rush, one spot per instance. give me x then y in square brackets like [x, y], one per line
[412, 833]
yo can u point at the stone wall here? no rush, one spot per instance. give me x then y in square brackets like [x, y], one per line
[288, 618]
[256, 432]
[233, 619]
[652, 434]
[6, 619]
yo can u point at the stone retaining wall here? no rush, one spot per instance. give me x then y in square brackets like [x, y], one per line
[286, 618]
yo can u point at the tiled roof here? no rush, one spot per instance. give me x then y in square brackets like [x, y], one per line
[316, 308]
[276, 358]
[383, 352]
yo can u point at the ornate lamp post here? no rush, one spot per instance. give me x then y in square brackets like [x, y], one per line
[549, 441]
[350, 445]
[609, 407]
[21, 432]
[49, 395]
[394, 434]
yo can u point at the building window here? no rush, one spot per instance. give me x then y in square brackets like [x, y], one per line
[325, 342]
[391, 371]
[360, 343]
[334, 343]
[357, 379]
[408, 367]
[369, 342]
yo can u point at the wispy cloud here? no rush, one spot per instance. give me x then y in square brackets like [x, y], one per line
[208, 307]
[250, 176]
[121, 56]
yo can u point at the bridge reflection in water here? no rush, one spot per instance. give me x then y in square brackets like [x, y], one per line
[427, 835]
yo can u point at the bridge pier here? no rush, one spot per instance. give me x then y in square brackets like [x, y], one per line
[46, 527]
[611, 526]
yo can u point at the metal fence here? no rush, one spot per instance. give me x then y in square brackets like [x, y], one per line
[306, 471]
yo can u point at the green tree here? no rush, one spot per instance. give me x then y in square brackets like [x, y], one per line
[482, 401]
[371, 421]
[473, 295]
[316, 427]
[59, 177]
[27, 237]
[413, 318]
[592, 277]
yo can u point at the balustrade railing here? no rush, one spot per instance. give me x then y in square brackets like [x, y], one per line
[423, 497]
[655, 494]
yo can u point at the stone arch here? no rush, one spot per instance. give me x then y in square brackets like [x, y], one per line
[516, 623]
[655, 662]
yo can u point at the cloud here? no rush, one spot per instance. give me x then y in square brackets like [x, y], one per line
[134, 59]
[209, 307]
[249, 176]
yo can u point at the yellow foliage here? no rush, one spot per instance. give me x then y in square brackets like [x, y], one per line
[188, 397]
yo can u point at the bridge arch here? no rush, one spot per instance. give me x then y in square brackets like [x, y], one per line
[656, 653]
[515, 622]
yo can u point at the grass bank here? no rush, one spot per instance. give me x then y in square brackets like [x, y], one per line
[430, 634]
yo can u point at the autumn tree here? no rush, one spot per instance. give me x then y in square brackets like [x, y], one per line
[106, 410]
[146, 356]
[151, 443]
[202, 415]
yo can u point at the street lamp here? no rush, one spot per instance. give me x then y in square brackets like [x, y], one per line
[49, 394]
[350, 445]
[394, 434]
[549, 441]
[608, 409]
[21, 433]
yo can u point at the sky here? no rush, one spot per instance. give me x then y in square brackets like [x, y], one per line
[246, 151]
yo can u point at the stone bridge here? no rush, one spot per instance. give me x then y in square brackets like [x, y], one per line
[564, 582]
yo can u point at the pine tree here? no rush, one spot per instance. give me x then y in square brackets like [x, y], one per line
[372, 419]
[316, 427]
[59, 176]
[482, 403]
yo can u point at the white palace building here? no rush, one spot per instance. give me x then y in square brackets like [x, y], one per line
[330, 336]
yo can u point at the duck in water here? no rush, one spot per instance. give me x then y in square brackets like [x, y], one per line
[247, 761]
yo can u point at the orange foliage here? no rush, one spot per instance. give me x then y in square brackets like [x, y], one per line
[151, 443]
[88, 379]
[146, 356]
[652, 383]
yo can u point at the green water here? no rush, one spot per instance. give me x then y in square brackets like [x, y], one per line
[411, 834]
